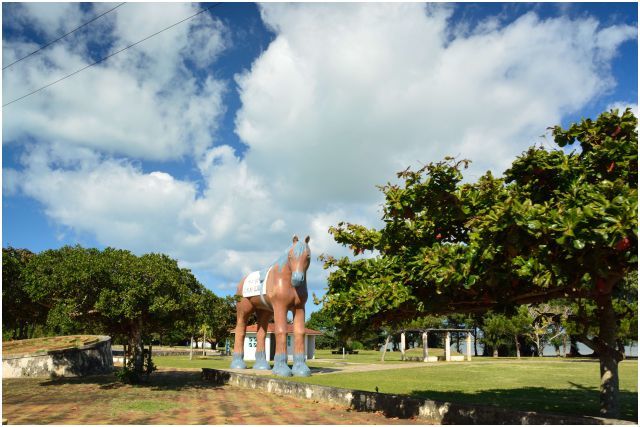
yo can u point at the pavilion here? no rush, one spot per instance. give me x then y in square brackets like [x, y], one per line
[447, 343]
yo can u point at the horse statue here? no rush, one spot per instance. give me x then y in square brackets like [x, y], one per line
[273, 292]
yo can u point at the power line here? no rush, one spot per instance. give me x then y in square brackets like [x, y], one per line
[61, 37]
[109, 56]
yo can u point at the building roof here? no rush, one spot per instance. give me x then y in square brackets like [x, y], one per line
[272, 329]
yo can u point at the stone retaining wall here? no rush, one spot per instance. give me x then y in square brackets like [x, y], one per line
[397, 405]
[94, 358]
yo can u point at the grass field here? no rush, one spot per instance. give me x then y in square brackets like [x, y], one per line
[535, 384]
[324, 358]
[569, 387]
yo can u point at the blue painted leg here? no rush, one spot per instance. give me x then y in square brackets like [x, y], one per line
[238, 361]
[280, 367]
[300, 368]
[261, 361]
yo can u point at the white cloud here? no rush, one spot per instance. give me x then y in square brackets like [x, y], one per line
[144, 103]
[621, 106]
[346, 95]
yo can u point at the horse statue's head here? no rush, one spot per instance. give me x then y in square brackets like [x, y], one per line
[299, 259]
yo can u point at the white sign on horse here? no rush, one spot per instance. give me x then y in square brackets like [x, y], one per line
[252, 285]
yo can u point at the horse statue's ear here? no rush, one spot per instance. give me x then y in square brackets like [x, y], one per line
[295, 238]
[306, 239]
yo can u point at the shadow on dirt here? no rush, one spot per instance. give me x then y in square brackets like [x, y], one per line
[159, 380]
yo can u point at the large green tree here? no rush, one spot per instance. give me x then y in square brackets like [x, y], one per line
[558, 225]
[222, 316]
[113, 291]
[20, 314]
[322, 321]
[496, 331]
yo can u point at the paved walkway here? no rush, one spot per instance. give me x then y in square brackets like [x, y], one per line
[172, 397]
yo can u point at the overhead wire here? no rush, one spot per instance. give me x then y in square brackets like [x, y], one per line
[61, 37]
[110, 55]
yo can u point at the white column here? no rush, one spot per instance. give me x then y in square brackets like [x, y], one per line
[469, 346]
[312, 347]
[305, 340]
[402, 344]
[447, 347]
[425, 347]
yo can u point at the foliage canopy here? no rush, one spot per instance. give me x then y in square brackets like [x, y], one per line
[557, 225]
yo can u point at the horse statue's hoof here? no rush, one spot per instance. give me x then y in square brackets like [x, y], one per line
[280, 367]
[238, 361]
[261, 361]
[300, 368]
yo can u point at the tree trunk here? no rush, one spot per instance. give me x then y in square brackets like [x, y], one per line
[517, 347]
[137, 348]
[475, 335]
[204, 340]
[384, 351]
[538, 349]
[621, 349]
[149, 359]
[609, 358]
[191, 348]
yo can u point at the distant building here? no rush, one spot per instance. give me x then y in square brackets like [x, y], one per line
[198, 344]
[251, 341]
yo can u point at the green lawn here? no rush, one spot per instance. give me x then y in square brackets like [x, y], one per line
[373, 356]
[535, 384]
[547, 385]
[324, 358]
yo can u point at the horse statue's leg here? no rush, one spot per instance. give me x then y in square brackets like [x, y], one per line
[261, 354]
[243, 309]
[300, 368]
[280, 366]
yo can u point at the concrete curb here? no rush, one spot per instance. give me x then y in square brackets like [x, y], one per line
[398, 405]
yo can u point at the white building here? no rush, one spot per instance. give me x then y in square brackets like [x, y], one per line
[251, 341]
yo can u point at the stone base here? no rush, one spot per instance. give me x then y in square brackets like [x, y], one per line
[94, 358]
[435, 412]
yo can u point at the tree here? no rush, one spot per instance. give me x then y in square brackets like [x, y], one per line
[20, 314]
[222, 316]
[115, 292]
[496, 331]
[322, 321]
[557, 225]
[546, 323]
[520, 323]
[582, 320]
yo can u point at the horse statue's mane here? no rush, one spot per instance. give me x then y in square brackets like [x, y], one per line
[298, 249]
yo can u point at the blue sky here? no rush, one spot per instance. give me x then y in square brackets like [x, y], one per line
[219, 139]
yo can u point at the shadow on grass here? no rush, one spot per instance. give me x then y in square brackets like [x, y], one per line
[323, 370]
[160, 380]
[580, 400]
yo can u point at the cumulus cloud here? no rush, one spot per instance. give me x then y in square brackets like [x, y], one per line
[127, 105]
[344, 96]
[621, 106]
[348, 94]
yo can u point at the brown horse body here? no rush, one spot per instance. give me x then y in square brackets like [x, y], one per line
[286, 289]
